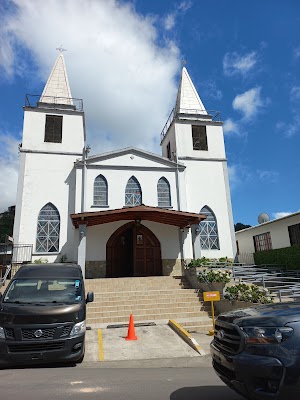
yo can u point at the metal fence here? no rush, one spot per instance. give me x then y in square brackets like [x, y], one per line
[283, 284]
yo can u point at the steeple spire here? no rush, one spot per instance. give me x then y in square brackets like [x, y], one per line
[188, 100]
[57, 88]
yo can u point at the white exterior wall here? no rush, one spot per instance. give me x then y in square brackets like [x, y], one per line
[117, 180]
[170, 137]
[277, 228]
[206, 183]
[97, 237]
[54, 183]
[34, 131]
[47, 174]
[184, 141]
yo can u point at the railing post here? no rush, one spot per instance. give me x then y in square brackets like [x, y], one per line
[279, 295]
[263, 281]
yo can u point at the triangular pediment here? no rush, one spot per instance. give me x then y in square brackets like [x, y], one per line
[131, 157]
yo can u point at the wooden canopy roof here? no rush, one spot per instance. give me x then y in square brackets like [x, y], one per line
[138, 213]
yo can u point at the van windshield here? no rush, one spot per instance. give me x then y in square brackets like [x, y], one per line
[44, 291]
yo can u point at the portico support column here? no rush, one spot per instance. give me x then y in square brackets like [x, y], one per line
[196, 241]
[81, 257]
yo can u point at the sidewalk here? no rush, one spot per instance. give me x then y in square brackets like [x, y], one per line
[158, 342]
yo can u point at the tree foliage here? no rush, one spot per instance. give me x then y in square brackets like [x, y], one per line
[239, 226]
[6, 223]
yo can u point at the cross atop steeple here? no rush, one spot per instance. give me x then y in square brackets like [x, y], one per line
[60, 49]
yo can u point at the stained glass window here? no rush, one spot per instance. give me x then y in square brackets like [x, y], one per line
[133, 193]
[100, 191]
[209, 237]
[48, 227]
[163, 193]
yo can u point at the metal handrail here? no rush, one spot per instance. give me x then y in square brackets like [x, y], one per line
[212, 115]
[70, 103]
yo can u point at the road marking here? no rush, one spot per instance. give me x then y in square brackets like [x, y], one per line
[100, 345]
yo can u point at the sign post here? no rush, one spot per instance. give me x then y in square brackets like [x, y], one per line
[212, 296]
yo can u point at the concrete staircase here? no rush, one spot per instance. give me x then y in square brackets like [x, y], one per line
[149, 299]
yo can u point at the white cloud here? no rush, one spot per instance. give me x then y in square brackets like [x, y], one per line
[234, 63]
[9, 170]
[231, 127]
[126, 79]
[289, 129]
[233, 176]
[297, 52]
[282, 214]
[211, 90]
[185, 5]
[267, 175]
[295, 93]
[170, 20]
[249, 103]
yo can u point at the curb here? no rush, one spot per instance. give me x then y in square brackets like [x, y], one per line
[186, 336]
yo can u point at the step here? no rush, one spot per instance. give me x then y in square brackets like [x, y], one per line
[148, 291]
[111, 304]
[142, 317]
[146, 310]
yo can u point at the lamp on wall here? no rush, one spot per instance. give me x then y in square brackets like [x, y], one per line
[81, 233]
[138, 222]
[197, 230]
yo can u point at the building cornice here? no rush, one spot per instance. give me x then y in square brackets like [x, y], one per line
[63, 153]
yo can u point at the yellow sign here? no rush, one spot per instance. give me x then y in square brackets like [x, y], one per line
[211, 296]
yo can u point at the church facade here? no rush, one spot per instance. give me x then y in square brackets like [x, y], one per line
[127, 212]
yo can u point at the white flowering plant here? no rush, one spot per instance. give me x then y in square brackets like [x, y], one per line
[250, 293]
[214, 275]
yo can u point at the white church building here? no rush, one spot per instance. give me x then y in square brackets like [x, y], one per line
[127, 212]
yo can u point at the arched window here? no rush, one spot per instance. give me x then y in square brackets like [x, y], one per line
[133, 193]
[209, 238]
[100, 191]
[48, 226]
[163, 193]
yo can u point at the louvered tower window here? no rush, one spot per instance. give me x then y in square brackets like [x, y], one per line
[163, 193]
[48, 227]
[133, 193]
[100, 191]
[53, 128]
[209, 237]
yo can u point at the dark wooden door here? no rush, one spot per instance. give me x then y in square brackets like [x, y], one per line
[133, 251]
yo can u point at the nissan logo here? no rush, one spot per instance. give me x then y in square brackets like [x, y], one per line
[220, 334]
[38, 333]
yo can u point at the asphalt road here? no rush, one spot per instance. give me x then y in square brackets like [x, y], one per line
[86, 383]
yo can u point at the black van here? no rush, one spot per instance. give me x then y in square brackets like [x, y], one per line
[42, 315]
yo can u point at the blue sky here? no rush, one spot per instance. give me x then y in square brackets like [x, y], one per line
[124, 60]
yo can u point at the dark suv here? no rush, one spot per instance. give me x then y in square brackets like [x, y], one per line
[256, 351]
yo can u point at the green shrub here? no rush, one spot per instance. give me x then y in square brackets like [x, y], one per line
[214, 275]
[41, 261]
[250, 293]
[287, 256]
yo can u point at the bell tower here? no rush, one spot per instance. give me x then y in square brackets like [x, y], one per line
[194, 137]
[53, 139]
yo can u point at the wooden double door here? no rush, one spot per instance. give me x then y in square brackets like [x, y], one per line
[133, 250]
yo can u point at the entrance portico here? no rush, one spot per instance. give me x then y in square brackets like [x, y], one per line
[134, 249]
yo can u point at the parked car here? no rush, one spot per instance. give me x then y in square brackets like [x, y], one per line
[42, 315]
[256, 351]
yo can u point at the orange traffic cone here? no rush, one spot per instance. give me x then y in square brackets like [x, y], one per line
[131, 331]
